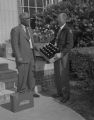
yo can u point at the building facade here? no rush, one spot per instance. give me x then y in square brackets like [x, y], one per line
[8, 18]
[34, 6]
[10, 10]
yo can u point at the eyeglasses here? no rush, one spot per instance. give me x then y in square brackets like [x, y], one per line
[27, 18]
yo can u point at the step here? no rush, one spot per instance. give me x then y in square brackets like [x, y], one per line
[7, 74]
[5, 96]
[44, 74]
[2, 86]
[47, 80]
[10, 83]
[3, 66]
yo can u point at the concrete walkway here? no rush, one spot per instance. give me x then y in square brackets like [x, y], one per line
[45, 108]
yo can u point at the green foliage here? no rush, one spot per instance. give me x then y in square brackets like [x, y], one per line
[80, 19]
[82, 66]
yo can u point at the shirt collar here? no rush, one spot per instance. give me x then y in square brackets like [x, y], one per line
[23, 27]
[62, 26]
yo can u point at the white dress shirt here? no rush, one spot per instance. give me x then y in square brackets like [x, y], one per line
[62, 26]
[30, 41]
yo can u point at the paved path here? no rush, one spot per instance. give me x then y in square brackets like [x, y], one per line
[45, 108]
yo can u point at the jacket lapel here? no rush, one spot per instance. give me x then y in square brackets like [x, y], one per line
[31, 35]
[59, 40]
[24, 33]
[65, 27]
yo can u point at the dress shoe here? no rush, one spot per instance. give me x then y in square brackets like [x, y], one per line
[21, 91]
[36, 95]
[56, 95]
[64, 100]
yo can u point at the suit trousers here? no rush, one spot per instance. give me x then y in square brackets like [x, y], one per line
[61, 69]
[26, 79]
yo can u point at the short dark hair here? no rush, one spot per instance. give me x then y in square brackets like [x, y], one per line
[24, 15]
[63, 15]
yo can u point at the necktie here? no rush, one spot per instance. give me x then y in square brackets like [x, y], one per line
[58, 33]
[27, 33]
[57, 37]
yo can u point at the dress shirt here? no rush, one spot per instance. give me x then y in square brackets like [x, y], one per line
[30, 41]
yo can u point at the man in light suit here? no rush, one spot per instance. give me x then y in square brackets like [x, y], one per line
[61, 67]
[23, 47]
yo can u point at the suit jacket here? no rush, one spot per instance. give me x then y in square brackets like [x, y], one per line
[20, 44]
[65, 40]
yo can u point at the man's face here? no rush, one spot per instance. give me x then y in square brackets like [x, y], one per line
[26, 22]
[61, 20]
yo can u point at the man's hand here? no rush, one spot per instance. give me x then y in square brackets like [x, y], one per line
[36, 48]
[55, 44]
[58, 55]
[21, 61]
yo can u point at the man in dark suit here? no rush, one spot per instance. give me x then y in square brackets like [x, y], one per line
[23, 47]
[61, 67]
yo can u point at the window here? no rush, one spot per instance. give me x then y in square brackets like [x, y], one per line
[32, 6]
[35, 6]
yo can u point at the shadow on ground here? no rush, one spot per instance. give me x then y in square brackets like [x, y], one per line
[6, 106]
[82, 104]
